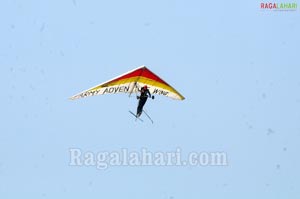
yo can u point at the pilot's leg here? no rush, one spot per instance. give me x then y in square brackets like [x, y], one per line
[143, 102]
[141, 105]
[139, 108]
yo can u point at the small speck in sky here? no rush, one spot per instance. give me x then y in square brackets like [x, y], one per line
[270, 131]
[278, 166]
[42, 28]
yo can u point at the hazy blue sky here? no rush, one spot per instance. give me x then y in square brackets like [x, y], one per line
[237, 66]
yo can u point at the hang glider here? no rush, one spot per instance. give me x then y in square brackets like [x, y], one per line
[132, 82]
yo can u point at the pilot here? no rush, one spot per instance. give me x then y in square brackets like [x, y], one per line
[145, 93]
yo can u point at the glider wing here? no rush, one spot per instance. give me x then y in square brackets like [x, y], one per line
[131, 82]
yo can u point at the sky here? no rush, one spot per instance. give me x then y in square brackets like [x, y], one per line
[236, 64]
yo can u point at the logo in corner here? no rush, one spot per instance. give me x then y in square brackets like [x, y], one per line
[275, 6]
